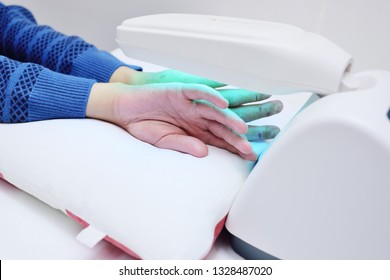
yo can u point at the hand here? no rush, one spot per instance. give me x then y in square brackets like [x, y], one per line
[254, 111]
[181, 117]
[132, 77]
[235, 97]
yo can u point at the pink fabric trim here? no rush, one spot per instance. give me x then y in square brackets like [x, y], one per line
[107, 238]
[2, 176]
[219, 227]
[217, 231]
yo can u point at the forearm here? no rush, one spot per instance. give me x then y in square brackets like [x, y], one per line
[23, 40]
[30, 92]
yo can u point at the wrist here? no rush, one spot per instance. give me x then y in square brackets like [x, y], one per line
[101, 102]
[125, 75]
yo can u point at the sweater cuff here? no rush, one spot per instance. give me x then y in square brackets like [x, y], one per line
[98, 65]
[58, 95]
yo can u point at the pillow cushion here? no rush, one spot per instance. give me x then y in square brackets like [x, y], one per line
[150, 202]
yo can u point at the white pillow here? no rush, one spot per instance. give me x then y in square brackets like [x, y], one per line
[154, 203]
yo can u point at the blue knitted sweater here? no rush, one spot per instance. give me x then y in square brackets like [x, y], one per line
[43, 73]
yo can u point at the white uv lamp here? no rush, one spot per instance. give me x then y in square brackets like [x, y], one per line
[262, 56]
[322, 189]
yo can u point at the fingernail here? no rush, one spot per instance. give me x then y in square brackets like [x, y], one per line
[273, 132]
[269, 133]
[278, 107]
[262, 96]
[252, 157]
[246, 147]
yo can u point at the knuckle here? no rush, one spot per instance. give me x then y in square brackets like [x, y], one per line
[175, 87]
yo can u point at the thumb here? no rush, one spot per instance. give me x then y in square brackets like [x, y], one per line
[183, 143]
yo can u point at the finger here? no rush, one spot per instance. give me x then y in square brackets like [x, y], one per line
[237, 97]
[170, 76]
[202, 92]
[225, 117]
[183, 143]
[257, 111]
[167, 136]
[251, 157]
[260, 133]
[220, 143]
[237, 141]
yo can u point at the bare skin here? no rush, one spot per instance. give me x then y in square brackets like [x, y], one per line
[177, 111]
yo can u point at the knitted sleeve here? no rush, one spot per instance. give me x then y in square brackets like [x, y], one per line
[23, 40]
[31, 92]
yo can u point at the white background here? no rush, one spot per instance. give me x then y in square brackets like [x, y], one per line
[359, 26]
